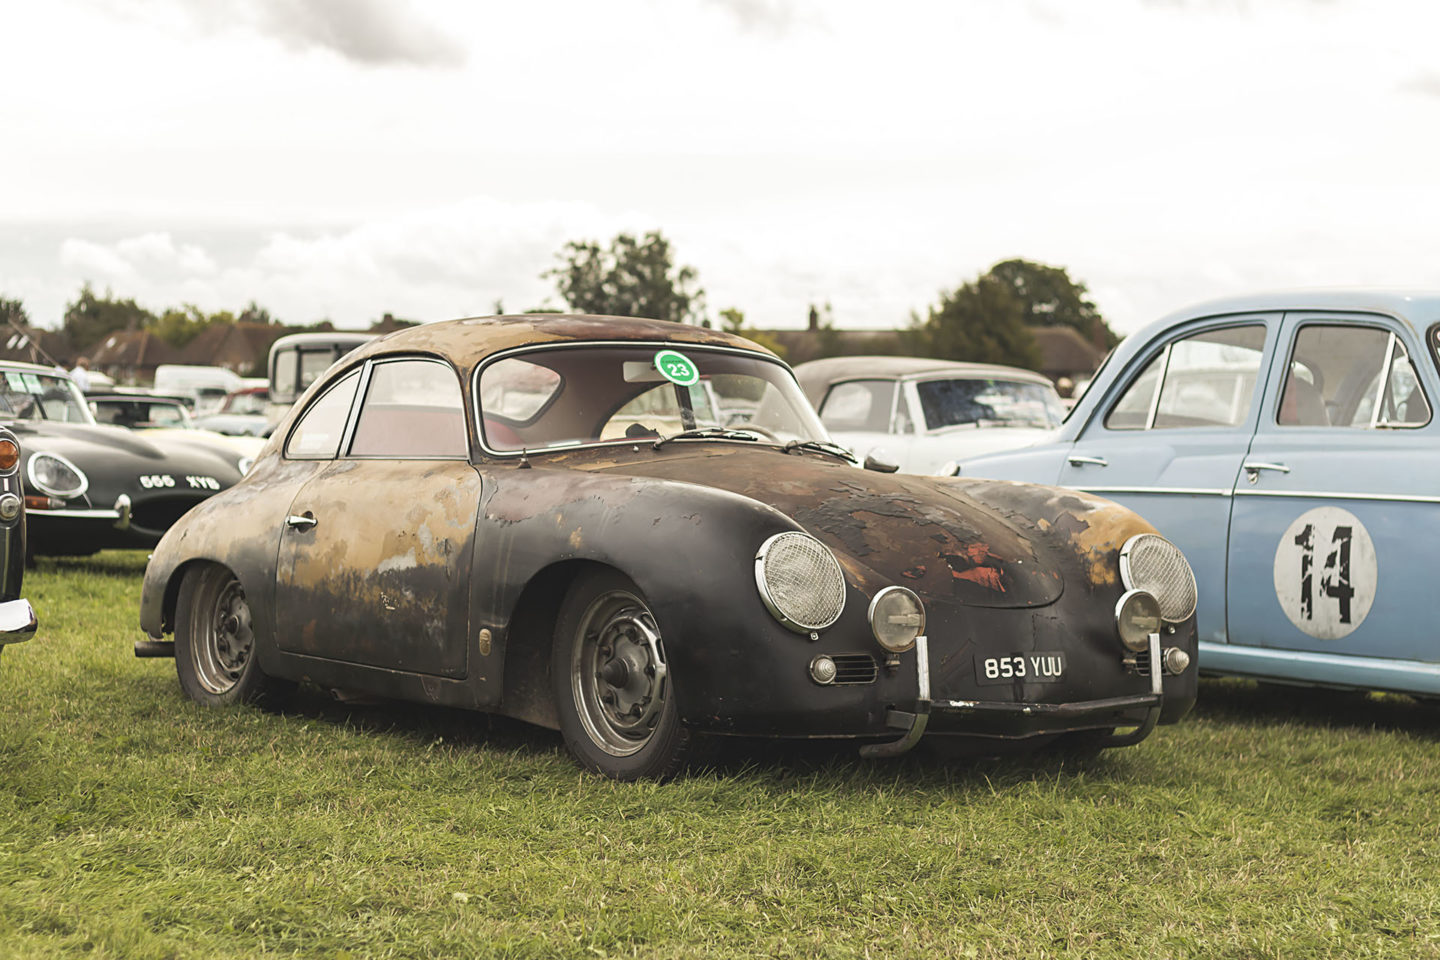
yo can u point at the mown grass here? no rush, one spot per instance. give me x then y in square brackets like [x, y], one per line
[134, 824]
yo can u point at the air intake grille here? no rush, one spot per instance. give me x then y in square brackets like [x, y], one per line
[855, 668]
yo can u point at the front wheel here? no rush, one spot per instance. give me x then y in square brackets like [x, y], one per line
[612, 682]
[215, 640]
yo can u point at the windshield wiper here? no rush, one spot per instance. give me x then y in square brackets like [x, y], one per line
[706, 433]
[822, 446]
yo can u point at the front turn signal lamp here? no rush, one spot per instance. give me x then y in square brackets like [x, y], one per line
[9, 455]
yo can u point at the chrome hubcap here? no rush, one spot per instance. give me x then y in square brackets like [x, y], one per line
[618, 674]
[226, 639]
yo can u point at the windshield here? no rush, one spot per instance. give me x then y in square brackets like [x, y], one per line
[564, 396]
[249, 403]
[139, 412]
[41, 396]
[983, 402]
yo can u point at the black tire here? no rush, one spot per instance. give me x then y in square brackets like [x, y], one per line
[613, 692]
[214, 643]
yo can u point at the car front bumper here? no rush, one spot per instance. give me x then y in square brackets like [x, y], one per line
[1013, 719]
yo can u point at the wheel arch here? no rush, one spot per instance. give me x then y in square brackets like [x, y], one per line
[526, 690]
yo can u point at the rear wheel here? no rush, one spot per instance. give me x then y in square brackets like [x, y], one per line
[215, 640]
[612, 683]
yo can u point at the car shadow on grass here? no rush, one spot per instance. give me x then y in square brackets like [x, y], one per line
[777, 763]
[1252, 702]
[112, 564]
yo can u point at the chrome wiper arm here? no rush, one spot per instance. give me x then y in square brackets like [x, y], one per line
[822, 446]
[706, 433]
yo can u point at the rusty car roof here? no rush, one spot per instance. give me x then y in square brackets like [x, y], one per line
[475, 338]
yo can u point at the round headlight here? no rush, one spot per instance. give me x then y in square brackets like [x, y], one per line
[52, 474]
[897, 617]
[1137, 615]
[1151, 563]
[800, 581]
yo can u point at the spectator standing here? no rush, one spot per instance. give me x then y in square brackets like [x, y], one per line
[81, 374]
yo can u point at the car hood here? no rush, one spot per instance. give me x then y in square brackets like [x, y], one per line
[884, 528]
[83, 438]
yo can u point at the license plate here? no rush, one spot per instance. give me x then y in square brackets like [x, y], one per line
[1039, 667]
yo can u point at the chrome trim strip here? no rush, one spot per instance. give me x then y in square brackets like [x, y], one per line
[1184, 491]
[1323, 495]
[33, 512]
[1159, 387]
[1319, 669]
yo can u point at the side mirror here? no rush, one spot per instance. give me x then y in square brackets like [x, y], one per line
[879, 461]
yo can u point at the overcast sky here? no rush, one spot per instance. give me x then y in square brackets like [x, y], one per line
[343, 158]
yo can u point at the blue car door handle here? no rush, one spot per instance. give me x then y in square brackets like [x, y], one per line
[1075, 460]
[302, 522]
[1255, 468]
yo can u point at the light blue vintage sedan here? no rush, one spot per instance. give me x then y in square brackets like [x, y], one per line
[1289, 445]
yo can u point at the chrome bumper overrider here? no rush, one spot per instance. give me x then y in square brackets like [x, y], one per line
[914, 723]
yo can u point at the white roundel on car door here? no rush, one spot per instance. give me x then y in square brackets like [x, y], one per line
[1326, 572]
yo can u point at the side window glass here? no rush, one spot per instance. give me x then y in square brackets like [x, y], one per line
[317, 435]
[859, 405]
[1207, 380]
[412, 409]
[1351, 376]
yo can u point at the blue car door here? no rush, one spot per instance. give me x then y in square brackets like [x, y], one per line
[1338, 507]
[1169, 440]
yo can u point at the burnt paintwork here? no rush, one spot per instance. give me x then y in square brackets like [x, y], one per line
[440, 581]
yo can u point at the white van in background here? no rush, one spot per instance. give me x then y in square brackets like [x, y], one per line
[207, 386]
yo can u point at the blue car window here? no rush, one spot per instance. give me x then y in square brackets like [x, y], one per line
[1206, 380]
[1346, 375]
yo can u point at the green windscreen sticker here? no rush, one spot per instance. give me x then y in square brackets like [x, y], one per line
[677, 368]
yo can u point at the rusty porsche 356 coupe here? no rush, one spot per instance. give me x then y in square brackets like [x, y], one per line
[638, 531]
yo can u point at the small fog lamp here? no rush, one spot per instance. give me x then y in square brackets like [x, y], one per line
[1137, 615]
[897, 617]
[822, 670]
[9, 507]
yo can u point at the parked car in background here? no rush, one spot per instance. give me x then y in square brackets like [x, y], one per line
[241, 414]
[296, 360]
[207, 386]
[925, 413]
[1288, 444]
[546, 517]
[17, 617]
[93, 486]
[136, 410]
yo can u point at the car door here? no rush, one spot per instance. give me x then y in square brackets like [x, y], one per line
[1336, 516]
[375, 558]
[1170, 441]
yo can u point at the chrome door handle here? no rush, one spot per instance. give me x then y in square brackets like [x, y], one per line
[303, 522]
[1252, 470]
[1079, 461]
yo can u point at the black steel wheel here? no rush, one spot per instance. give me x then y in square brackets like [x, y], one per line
[215, 640]
[612, 683]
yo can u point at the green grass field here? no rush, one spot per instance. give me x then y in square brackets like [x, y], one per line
[134, 824]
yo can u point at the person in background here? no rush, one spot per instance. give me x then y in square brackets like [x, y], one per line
[81, 374]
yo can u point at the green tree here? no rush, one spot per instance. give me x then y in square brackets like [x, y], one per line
[178, 326]
[13, 311]
[1050, 297]
[254, 313]
[982, 321]
[630, 278]
[91, 318]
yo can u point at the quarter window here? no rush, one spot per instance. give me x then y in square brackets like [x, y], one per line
[859, 405]
[1343, 375]
[1207, 380]
[412, 409]
[317, 435]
